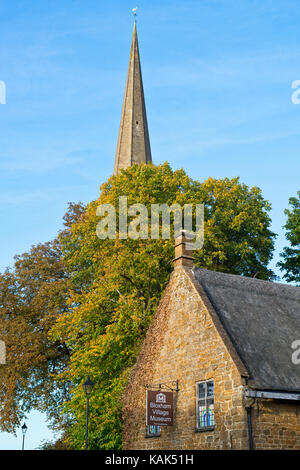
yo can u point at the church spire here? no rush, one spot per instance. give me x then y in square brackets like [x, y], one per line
[133, 142]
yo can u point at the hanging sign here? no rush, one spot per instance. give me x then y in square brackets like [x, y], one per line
[159, 408]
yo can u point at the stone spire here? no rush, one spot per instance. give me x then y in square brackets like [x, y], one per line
[133, 142]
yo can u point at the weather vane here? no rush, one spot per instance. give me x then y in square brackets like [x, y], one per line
[134, 11]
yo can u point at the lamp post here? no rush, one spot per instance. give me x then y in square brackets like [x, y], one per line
[88, 387]
[24, 429]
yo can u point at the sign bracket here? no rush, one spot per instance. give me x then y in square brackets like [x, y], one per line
[165, 385]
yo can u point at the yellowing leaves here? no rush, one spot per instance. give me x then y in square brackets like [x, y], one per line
[117, 284]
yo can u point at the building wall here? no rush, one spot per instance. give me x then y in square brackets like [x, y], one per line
[276, 425]
[183, 343]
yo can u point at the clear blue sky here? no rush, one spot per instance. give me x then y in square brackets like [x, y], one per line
[217, 77]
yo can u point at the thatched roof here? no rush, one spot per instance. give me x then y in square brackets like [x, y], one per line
[262, 320]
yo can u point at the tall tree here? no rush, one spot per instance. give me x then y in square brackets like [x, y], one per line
[32, 295]
[117, 284]
[290, 263]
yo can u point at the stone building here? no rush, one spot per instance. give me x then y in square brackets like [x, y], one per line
[223, 343]
[226, 343]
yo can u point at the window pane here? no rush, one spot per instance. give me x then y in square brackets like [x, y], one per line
[153, 430]
[210, 388]
[210, 412]
[205, 404]
[201, 413]
[201, 390]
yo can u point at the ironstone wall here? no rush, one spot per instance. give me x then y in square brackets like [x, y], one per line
[276, 425]
[183, 343]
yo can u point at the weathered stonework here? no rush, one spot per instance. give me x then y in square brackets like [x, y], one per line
[187, 342]
[183, 343]
[276, 425]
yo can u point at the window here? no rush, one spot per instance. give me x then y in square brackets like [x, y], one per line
[205, 405]
[153, 431]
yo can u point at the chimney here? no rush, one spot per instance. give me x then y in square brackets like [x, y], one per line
[183, 250]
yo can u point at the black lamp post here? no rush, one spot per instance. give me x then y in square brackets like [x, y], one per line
[24, 429]
[88, 387]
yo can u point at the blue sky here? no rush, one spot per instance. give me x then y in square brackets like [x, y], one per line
[217, 78]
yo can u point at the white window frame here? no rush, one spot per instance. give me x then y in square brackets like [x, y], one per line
[206, 398]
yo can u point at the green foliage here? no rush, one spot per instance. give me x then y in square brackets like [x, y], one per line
[237, 235]
[59, 444]
[117, 284]
[291, 254]
[32, 295]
